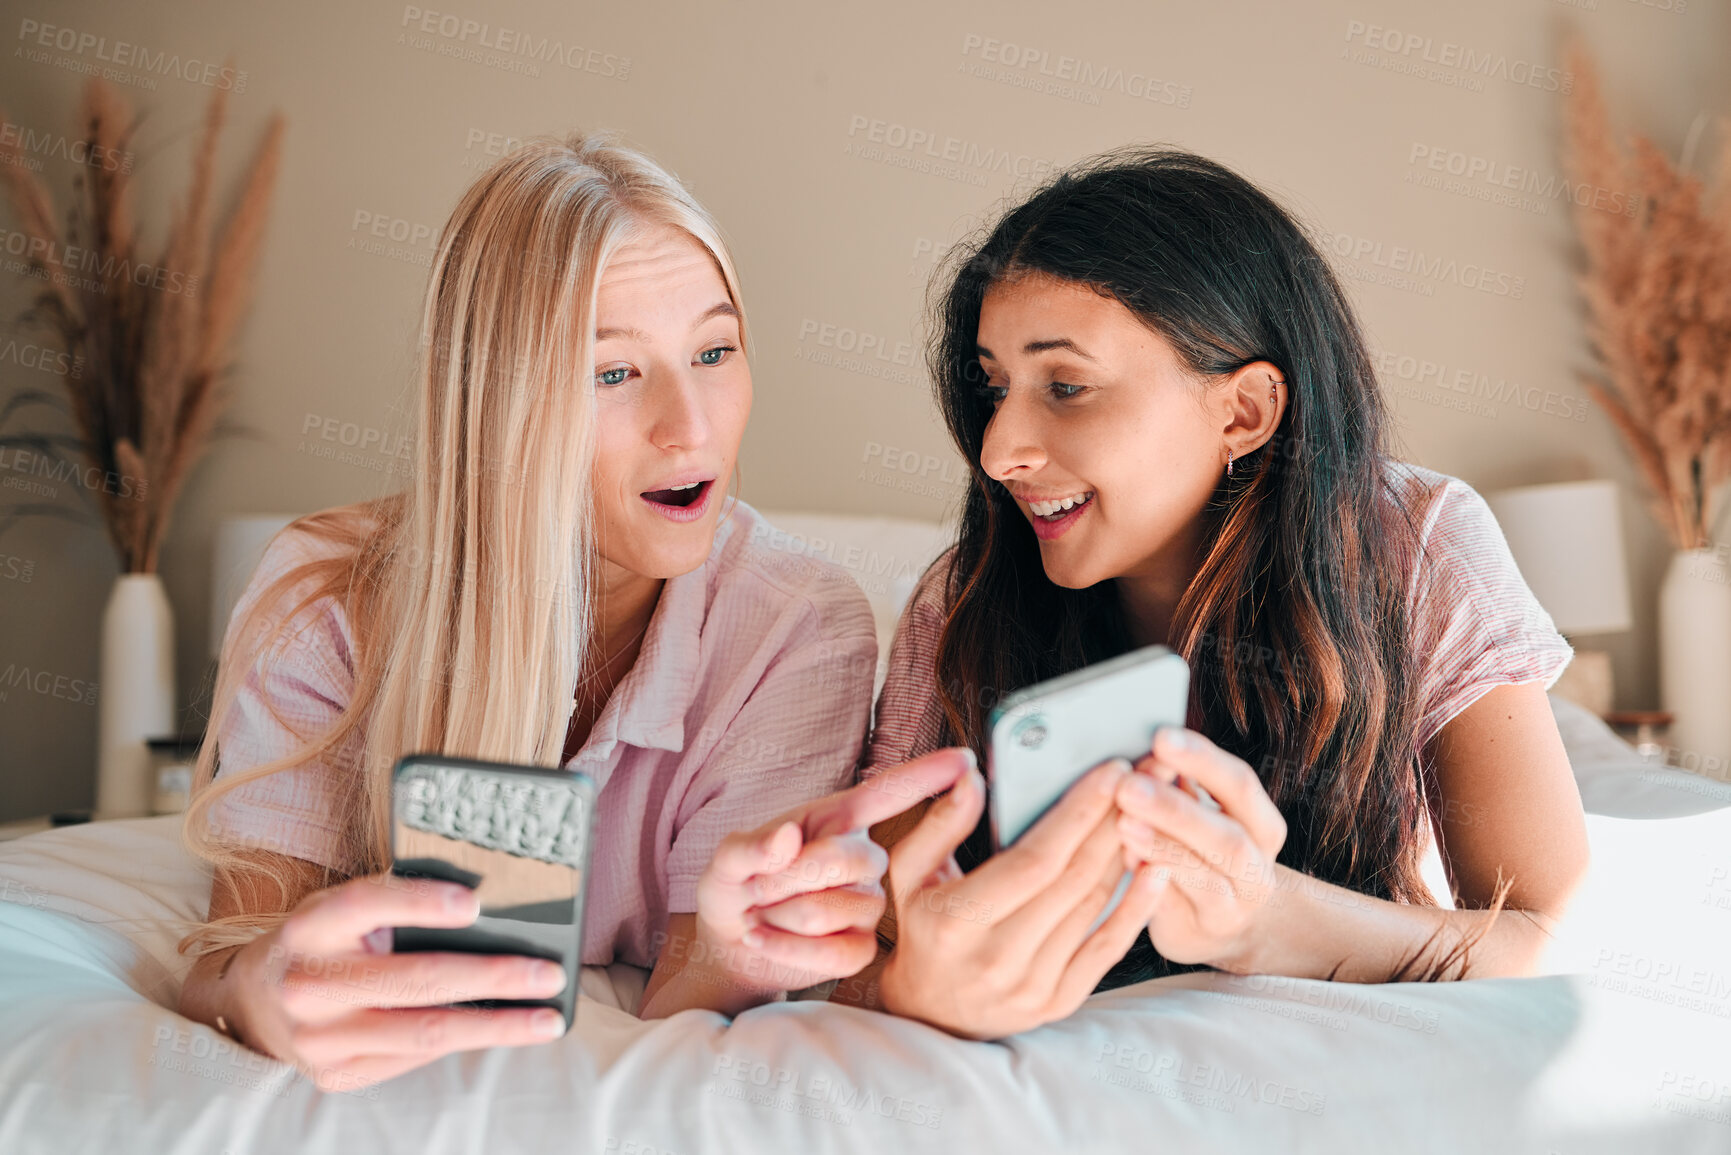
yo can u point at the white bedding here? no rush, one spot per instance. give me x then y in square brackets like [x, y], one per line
[1631, 1052]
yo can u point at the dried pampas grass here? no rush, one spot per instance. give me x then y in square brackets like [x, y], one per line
[1657, 285]
[151, 339]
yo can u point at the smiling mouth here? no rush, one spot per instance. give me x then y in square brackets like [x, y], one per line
[1052, 511]
[679, 496]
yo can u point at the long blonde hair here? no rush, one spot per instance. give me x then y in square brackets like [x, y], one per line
[468, 596]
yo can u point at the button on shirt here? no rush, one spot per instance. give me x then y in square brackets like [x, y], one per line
[750, 695]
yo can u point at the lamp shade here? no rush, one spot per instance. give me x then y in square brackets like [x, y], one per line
[1568, 541]
[240, 543]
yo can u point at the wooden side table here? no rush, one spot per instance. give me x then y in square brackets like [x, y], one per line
[1648, 726]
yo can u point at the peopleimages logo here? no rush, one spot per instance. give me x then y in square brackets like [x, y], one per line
[30, 143]
[46, 683]
[58, 470]
[1485, 178]
[482, 149]
[930, 145]
[1383, 47]
[1217, 1086]
[43, 359]
[815, 1093]
[1479, 386]
[1404, 267]
[476, 39]
[1066, 76]
[138, 58]
[87, 268]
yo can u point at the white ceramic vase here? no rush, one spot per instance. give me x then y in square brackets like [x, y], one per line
[136, 693]
[1695, 660]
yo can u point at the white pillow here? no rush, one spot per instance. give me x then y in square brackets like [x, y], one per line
[885, 555]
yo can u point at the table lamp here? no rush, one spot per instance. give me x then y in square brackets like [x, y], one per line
[1567, 540]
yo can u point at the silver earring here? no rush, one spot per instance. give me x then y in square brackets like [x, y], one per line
[1229, 461]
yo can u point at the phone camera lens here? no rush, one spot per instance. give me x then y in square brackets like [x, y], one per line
[1031, 734]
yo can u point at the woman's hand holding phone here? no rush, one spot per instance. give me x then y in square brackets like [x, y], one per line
[1008, 947]
[1222, 861]
[320, 991]
[796, 902]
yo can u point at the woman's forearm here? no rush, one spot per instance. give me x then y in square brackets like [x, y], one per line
[1314, 929]
[1317, 930]
[691, 975]
[207, 992]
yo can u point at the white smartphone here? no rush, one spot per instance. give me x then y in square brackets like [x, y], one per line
[1045, 737]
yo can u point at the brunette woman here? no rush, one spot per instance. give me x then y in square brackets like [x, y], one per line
[1177, 437]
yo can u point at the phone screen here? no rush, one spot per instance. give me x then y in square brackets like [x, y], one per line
[519, 836]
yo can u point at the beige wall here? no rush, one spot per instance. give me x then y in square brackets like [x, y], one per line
[773, 113]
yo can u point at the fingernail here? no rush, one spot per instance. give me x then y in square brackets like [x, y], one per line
[548, 1023]
[956, 797]
[973, 759]
[547, 976]
[1182, 739]
[1137, 832]
[459, 899]
[776, 837]
[1143, 786]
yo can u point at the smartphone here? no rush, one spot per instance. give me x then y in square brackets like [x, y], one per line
[519, 837]
[1045, 737]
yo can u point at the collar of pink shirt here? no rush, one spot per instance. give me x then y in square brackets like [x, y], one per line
[649, 706]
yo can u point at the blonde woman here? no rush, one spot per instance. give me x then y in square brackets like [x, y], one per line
[564, 583]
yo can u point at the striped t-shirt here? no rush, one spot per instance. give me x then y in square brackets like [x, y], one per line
[1484, 628]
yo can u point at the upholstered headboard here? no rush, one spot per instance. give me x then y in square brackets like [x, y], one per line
[885, 555]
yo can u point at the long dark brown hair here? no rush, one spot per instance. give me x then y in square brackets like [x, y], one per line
[1296, 625]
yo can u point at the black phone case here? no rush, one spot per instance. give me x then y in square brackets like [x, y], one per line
[472, 940]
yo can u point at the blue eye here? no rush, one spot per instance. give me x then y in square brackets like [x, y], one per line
[1063, 391]
[714, 356]
[612, 376]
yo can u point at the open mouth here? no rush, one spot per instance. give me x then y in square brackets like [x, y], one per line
[1056, 511]
[1052, 518]
[680, 502]
[680, 495]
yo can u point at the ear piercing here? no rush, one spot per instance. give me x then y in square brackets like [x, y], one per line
[1273, 399]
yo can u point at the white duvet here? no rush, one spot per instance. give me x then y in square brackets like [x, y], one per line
[1629, 1050]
